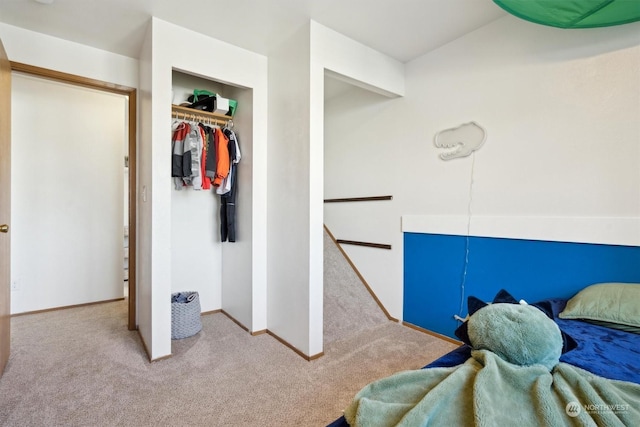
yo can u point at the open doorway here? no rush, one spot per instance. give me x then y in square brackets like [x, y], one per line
[349, 305]
[77, 191]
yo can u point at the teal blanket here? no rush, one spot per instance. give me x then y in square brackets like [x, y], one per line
[514, 378]
[489, 391]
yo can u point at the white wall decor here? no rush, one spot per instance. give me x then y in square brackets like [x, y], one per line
[465, 139]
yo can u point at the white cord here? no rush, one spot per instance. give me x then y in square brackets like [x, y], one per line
[466, 251]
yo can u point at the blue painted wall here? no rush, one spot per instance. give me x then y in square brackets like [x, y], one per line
[528, 269]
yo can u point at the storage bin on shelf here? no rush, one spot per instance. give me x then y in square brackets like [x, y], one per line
[185, 315]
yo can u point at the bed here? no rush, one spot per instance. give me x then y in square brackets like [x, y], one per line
[600, 350]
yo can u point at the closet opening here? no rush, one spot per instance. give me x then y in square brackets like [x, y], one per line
[205, 256]
[80, 188]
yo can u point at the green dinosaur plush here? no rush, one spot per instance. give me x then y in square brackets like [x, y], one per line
[513, 377]
[520, 334]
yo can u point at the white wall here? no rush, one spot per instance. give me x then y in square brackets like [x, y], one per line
[296, 106]
[144, 250]
[561, 111]
[171, 47]
[67, 194]
[336, 54]
[45, 51]
[240, 299]
[288, 214]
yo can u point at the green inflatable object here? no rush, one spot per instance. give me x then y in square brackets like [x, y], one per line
[574, 13]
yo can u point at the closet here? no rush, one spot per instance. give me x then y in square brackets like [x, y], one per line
[220, 271]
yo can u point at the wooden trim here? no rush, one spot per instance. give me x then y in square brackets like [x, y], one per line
[206, 313]
[132, 323]
[70, 78]
[235, 320]
[144, 345]
[315, 356]
[364, 282]
[298, 352]
[46, 310]
[133, 149]
[367, 244]
[267, 331]
[159, 359]
[146, 349]
[359, 199]
[434, 334]
[5, 208]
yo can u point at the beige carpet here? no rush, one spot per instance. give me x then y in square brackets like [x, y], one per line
[81, 367]
[348, 305]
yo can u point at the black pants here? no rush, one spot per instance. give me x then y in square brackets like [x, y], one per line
[228, 209]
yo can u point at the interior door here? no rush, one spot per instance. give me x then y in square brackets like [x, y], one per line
[5, 208]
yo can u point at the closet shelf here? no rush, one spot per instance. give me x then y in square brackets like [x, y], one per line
[181, 112]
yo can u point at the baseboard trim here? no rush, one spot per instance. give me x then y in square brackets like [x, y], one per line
[360, 276]
[295, 350]
[206, 313]
[434, 334]
[146, 350]
[144, 346]
[159, 359]
[234, 320]
[46, 310]
[268, 332]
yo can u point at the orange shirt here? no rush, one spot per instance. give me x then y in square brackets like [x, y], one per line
[206, 181]
[222, 157]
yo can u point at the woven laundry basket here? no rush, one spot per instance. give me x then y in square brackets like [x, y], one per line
[185, 315]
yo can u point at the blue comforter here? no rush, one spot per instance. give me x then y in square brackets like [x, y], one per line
[606, 352]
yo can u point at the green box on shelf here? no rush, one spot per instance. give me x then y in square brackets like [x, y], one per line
[233, 105]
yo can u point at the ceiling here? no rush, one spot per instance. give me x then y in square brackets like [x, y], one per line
[401, 29]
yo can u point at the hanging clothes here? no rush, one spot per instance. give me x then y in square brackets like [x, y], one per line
[191, 159]
[188, 156]
[204, 157]
[228, 213]
[206, 181]
[180, 132]
[210, 162]
[228, 197]
[234, 156]
[222, 157]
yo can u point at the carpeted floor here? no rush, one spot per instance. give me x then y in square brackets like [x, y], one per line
[82, 367]
[348, 305]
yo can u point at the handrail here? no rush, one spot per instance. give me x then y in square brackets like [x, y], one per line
[367, 244]
[358, 199]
